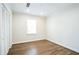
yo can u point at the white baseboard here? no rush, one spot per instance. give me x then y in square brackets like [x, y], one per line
[62, 44]
[27, 41]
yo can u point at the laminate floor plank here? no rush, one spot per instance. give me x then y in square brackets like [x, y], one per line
[41, 47]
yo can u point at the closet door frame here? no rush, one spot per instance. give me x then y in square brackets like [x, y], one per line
[1, 38]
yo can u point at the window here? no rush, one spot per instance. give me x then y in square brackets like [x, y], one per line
[31, 26]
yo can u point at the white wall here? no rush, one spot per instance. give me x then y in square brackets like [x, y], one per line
[63, 28]
[19, 28]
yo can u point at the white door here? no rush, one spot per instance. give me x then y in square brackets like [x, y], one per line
[4, 30]
[7, 31]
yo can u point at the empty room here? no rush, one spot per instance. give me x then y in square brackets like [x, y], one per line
[39, 28]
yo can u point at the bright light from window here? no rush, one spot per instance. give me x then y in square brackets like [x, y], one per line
[31, 26]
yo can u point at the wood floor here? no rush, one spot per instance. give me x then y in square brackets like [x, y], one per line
[41, 47]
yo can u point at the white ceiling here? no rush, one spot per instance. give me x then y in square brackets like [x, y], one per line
[41, 9]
